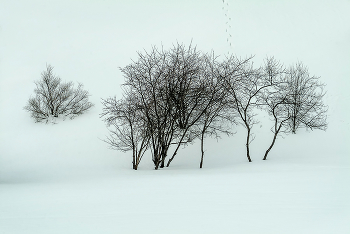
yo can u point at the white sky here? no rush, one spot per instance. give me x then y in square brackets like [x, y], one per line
[89, 40]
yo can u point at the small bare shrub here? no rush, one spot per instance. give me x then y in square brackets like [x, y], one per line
[54, 98]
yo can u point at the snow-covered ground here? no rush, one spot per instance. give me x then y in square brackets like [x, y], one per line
[61, 178]
[272, 197]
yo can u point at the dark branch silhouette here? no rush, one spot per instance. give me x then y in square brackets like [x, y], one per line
[295, 102]
[55, 98]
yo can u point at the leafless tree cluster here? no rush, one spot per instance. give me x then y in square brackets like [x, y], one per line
[295, 101]
[128, 128]
[55, 98]
[244, 85]
[174, 97]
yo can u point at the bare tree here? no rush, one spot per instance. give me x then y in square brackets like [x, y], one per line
[217, 118]
[129, 129]
[146, 78]
[194, 96]
[174, 91]
[215, 121]
[306, 92]
[169, 85]
[295, 101]
[186, 92]
[54, 98]
[244, 85]
[276, 99]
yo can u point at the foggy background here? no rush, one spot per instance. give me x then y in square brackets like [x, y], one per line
[87, 42]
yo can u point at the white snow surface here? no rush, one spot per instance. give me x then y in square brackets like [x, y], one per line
[62, 178]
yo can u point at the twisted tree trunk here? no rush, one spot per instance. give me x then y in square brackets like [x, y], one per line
[247, 144]
[272, 144]
[202, 150]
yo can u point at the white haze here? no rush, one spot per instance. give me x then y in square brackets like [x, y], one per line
[62, 178]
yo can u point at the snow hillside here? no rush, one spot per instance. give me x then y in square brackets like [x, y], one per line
[258, 198]
[62, 178]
